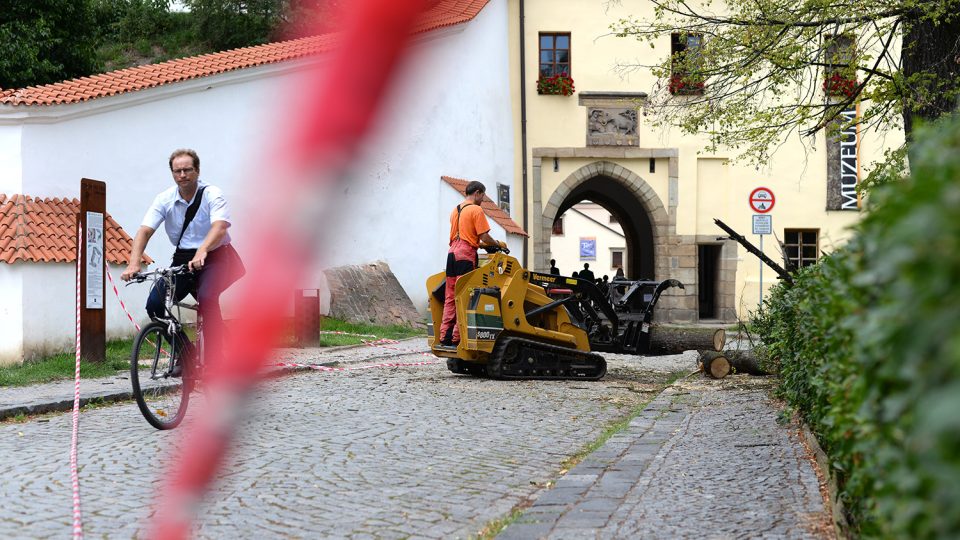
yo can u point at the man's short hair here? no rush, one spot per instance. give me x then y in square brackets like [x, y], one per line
[185, 152]
[474, 187]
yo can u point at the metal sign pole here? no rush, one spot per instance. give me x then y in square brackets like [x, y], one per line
[761, 273]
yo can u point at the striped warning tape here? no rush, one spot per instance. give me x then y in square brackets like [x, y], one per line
[74, 473]
[383, 343]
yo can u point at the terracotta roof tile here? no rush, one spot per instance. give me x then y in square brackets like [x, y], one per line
[490, 208]
[45, 230]
[444, 13]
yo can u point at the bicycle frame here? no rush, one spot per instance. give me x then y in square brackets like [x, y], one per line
[174, 314]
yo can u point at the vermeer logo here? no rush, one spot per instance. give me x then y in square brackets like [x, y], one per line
[542, 278]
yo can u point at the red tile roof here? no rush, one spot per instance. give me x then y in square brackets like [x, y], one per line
[443, 14]
[45, 230]
[490, 208]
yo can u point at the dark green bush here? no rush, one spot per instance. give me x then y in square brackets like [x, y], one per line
[868, 349]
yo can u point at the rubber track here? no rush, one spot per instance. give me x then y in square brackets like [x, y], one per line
[550, 362]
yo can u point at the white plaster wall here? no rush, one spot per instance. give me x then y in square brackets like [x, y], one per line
[450, 115]
[565, 248]
[49, 307]
[128, 148]
[11, 315]
[10, 160]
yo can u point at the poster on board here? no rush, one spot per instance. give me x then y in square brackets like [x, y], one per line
[94, 252]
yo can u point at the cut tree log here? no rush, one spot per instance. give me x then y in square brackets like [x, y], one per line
[744, 362]
[714, 364]
[676, 339]
[719, 364]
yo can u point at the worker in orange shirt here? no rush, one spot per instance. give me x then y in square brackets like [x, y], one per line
[469, 231]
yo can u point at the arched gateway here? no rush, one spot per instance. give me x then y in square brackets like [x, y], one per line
[705, 264]
[645, 221]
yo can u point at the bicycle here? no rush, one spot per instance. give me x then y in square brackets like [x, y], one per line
[164, 356]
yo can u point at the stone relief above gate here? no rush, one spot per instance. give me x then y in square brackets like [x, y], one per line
[612, 126]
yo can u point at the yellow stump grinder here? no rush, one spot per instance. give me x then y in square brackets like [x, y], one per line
[518, 324]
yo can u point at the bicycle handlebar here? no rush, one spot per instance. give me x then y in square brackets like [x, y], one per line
[140, 277]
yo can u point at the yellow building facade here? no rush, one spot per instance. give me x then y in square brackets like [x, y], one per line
[662, 186]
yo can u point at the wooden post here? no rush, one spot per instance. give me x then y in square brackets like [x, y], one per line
[93, 318]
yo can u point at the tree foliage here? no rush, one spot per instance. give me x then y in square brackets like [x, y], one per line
[765, 63]
[43, 41]
[867, 347]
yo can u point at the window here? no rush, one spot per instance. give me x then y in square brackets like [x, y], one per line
[802, 246]
[554, 54]
[839, 52]
[558, 226]
[685, 76]
[616, 258]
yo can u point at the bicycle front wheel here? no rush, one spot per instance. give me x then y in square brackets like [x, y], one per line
[157, 387]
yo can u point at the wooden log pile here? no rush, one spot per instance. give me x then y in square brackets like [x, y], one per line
[719, 364]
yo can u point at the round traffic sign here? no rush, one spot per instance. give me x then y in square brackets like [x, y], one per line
[762, 200]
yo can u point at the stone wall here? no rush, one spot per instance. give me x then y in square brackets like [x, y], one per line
[369, 293]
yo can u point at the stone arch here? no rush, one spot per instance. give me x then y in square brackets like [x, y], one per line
[662, 223]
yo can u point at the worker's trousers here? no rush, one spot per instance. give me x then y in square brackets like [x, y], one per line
[461, 258]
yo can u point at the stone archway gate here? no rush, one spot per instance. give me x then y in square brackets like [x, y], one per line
[675, 256]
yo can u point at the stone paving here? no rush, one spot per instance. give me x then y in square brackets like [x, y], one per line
[706, 459]
[58, 395]
[388, 453]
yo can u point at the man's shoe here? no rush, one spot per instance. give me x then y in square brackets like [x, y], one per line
[186, 355]
[449, 345]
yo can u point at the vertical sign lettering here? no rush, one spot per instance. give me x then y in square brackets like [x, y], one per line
[843, 163]
[849, 166]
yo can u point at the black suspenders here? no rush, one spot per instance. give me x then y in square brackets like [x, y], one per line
[460, 209]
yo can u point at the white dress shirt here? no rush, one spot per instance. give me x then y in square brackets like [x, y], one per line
[170, 209]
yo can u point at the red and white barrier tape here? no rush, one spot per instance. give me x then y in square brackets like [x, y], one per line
[379, 342]
[339, 333]
[354, 368]
[382, 343]
[117, 292]
[74, 473]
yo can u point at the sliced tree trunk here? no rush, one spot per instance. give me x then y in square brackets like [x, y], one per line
[719, 364]
[676, 339]
[714, 364]
[744, 362]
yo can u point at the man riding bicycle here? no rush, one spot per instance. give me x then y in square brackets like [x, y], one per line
[196, 217]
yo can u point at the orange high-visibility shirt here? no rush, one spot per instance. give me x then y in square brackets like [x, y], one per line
[472, 223]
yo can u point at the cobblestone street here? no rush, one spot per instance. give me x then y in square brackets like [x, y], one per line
[706, 459]
[383, 453]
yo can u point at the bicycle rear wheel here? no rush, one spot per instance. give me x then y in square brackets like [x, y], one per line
[161, 396]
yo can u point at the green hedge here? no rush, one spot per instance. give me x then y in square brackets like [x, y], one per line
[867, 344]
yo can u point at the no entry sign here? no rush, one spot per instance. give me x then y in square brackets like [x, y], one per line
[762, 200]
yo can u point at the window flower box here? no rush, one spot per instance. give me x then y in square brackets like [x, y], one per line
[837, 85]
[683, 85]
[557, 85]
